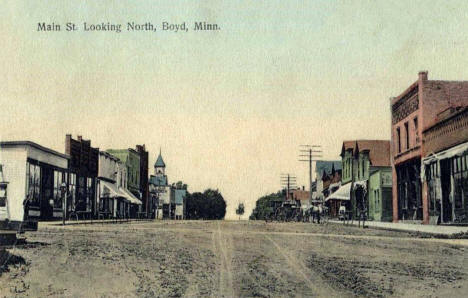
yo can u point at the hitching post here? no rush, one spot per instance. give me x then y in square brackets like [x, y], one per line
[63, 188]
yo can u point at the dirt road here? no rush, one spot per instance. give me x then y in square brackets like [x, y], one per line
[232, 259]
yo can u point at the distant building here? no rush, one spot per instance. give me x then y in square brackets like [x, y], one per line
[324, 168]
[160, 189]
[302, 196]
[179, 192]
[144, 186]
[413, 112]
[331, 182]
[114, 201]
[131, 160]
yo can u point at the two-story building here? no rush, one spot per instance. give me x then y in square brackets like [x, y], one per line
[83, 173]
[360, 160]
[179, 192]
[323, 168]
[414, 111]
[331, 183]
[131, 160]
[113, 200]
[144, 186]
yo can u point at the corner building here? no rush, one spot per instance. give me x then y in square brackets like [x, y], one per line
[414, 111]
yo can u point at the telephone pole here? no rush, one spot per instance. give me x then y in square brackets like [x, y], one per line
[288, 181]
[307, 154]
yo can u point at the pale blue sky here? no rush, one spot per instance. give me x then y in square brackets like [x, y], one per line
[229, 107]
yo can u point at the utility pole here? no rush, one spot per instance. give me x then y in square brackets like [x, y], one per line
[288, 181]
[307, 154]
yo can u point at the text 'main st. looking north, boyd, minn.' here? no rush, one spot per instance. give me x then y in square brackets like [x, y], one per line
[129, 26]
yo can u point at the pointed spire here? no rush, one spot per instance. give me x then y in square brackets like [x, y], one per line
[160, 162]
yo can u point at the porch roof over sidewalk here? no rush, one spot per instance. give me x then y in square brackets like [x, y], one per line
[129, 196]
[458, 150]
[343, 193]
[112, 190]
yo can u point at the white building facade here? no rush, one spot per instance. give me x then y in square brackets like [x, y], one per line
[35, 175]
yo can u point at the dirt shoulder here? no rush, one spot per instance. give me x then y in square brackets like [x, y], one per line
[232, 259]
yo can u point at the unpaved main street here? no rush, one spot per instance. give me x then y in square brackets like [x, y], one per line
[232, 259]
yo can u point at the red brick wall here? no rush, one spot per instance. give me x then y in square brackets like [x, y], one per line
[439, 95]
[448, 133]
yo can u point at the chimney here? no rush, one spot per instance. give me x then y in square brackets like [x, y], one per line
[303, 187]
[423, 76]
[80, 138]
[68, 143]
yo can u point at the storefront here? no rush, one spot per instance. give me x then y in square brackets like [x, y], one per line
[35, 176]
[410, 207]
[83, 177]
[446, 175]
[130, 206]
[341, 197]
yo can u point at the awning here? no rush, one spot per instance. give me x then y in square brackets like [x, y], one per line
[458, 150]
[129, 196]
[343, 193]
[111, 190]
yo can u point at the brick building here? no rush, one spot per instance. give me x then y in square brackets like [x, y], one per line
[414, 111]
[331, 182]
[83, 173]
[445, 166]
[144, 188]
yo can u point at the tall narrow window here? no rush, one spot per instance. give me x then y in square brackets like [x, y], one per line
[407, 135]
[416, 134]
[398, 139]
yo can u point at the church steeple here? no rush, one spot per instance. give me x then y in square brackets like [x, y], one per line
[159, 166]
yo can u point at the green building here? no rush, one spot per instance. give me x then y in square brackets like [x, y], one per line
[131, 159]
[366, 172]
[380, 195]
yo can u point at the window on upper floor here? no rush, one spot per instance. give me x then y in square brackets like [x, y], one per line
[407, 135]
[416, 134]
[398, 139]
[363, 162]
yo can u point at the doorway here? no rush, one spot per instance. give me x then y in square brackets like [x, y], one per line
[47, 188]
[445, 180]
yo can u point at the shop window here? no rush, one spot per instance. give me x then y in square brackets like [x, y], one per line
[89, 194]
[71, 201]
[57, 196]
[33, 178]
[81, 195]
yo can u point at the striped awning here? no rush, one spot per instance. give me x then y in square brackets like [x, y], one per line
[129, 196]
[342, 193]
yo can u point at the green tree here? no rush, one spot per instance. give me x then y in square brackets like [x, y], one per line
[265, 206]
[240, 210]
[207, 205]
